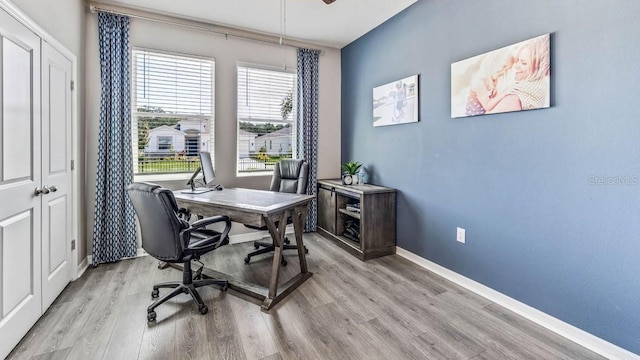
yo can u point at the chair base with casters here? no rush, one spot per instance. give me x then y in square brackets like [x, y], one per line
[187, 286]
[269, 247]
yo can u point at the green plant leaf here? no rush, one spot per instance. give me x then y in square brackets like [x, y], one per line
[351, 167]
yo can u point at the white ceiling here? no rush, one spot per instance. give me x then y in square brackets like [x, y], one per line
[334, 25]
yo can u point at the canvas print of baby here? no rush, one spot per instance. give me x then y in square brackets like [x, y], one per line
[512, 78]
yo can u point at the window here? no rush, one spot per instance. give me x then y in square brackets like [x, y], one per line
[172, 111]
[266, 113]
[164, 143]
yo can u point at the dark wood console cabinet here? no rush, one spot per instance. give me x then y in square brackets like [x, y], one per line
[376, 220]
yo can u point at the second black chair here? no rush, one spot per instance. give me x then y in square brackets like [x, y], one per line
[168, 238]
[290, 176]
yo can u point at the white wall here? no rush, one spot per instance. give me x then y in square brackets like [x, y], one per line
[226, 52]
[65, 20]
[177, 139]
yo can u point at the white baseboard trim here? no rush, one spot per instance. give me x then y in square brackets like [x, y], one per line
[82, 267]
[578, 336]
[139, 253]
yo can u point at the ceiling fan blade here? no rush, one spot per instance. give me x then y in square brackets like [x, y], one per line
[328, 1]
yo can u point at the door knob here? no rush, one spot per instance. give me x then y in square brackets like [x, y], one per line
[38, 191]
[53, 188]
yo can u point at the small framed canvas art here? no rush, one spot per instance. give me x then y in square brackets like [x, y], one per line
[396, 102]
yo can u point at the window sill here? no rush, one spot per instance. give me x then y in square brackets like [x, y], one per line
[161, 177]
[255, 173]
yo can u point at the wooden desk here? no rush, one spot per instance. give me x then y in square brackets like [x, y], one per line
[257, 208]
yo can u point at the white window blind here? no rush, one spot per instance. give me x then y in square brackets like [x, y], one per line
[174, 83]
[261, 91]
[172, 111]
[266, 112]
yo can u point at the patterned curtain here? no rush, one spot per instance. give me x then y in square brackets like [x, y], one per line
[114, 232]
[307, 124]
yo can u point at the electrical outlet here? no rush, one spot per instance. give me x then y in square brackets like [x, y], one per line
[460, 235]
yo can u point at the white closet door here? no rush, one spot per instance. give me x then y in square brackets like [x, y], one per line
[56, 174]
[20, 174]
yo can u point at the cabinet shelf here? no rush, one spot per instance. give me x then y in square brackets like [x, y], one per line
[375, 224]
[350, 213]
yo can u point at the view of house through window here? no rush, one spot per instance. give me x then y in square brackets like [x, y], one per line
[266, 117]
[172, 108]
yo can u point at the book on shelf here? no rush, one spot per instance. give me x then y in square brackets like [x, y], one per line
[353, 207]
[352, 230]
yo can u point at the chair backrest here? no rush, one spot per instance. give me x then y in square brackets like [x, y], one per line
[160, 225]
[290, 176]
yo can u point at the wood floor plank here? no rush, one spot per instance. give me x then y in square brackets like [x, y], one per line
[491, 332]
[223, 336]
[191, 330]
[275, 356]
[380, 303]
[140, 277]
[315, 293]
[226, 348]
[30, 343]
[443, 340]
[324, 338]
[85, 285]
[56, 355]
[396, 346]
[292, 332]
[358, 307]
[257, 342]
[96, 333]
[348, 341]
[77, 313]
[126, 336]
[158, 339]
[560, 345]
[386, 308]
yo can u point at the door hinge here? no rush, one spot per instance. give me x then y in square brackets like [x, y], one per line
[73, 244]
[73, 85]
[73, 165]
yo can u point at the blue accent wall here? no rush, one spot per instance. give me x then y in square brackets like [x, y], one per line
[525, 186]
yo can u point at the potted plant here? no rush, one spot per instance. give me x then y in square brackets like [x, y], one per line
[350, 172]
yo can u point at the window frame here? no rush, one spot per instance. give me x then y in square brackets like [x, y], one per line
[210, 119]
[292, 122]
[165, 141]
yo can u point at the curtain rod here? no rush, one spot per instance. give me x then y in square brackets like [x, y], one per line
[269, 39]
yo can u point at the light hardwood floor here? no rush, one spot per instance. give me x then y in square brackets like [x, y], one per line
[388, 308]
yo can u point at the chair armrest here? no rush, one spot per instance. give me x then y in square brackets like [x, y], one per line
[211, 220]
[206, 242]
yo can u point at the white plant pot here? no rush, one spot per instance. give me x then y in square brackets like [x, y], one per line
[349, 179]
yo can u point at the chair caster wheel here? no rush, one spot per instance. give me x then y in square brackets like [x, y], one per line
[224, 288]
[256, 246]
[306, 251]
[287, 241]
[151, 316]
[154, 294]
[247, 259]
[204, 309]
[283, 262]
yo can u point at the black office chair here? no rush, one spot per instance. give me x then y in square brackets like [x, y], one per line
[289, 176]
[168, 237]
